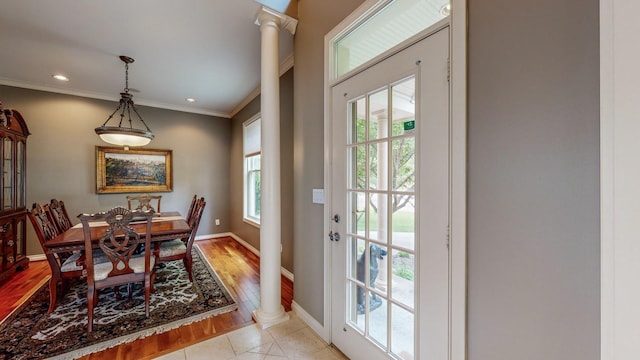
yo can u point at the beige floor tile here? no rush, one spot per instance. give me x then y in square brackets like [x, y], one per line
[301, 342]
[249, 356]
[249, 337]
[176, 355]
[287, 327]
[218, 348]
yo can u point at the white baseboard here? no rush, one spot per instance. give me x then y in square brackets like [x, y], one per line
[286, 273]
[37, 257]
[319, 329]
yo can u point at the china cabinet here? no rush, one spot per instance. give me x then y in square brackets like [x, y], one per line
[13, 209]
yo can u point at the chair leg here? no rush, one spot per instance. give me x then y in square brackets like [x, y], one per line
[188, 265]
[147, 293]
[53, 294]
[91, 293]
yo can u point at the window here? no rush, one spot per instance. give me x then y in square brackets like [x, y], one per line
[252, 148]
[377, 33]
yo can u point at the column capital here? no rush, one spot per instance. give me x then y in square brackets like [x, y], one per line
[266, 15]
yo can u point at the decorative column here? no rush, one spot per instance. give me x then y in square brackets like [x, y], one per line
[271, 311]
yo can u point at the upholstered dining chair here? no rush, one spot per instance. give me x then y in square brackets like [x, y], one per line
[63, 265]
[180, 249]
[59, 215]
[118, 244]
[144, 202]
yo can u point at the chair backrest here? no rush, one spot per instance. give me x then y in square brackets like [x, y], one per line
[191, 208]
[144, 202]
[119, 241]
[45, 230]
[59, 215]
[194, 222]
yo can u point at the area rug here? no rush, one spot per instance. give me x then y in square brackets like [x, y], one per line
[29, 333]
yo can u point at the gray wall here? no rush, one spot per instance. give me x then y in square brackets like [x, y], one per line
[316, 18]
[61, 155]
[247, 232]
[533, 170]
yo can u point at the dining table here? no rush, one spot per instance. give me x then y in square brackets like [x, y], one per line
[164, 226]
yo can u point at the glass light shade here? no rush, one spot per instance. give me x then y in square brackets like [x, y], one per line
[124, 136]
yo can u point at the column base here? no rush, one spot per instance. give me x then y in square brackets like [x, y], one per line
[264, 320]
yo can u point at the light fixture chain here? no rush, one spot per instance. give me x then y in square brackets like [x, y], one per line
[126, 77]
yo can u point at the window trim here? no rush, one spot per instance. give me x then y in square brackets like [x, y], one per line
[251, 220]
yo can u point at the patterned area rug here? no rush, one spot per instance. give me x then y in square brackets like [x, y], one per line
[29, 333]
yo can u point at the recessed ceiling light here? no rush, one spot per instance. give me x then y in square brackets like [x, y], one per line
[60, 77]
[190, 100]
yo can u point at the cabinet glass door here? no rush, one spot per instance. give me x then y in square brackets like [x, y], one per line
[20, 174]
[7, 174]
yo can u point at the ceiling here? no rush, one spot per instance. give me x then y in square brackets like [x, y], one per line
[208, 50]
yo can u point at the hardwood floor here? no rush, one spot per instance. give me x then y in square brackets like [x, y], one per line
[237, 267]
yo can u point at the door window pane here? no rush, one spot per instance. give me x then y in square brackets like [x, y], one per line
[402, 334]
[403, 221]
[402, 282]
[403, 101]
[403, 166]
[357, 167]
[378, 318]
[358, 121]
[379, 115]
[378, 166]
[378, 210]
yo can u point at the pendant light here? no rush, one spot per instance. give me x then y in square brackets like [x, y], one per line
[125, 135]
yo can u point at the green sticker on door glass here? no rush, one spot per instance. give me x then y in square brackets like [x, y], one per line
[409, 125]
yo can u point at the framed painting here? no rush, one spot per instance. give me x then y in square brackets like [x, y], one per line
[132, 171]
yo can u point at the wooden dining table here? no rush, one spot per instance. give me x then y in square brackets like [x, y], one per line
[164, 226]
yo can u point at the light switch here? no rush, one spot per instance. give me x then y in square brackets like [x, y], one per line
[318, 196]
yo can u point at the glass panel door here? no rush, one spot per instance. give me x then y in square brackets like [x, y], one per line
[389, 170]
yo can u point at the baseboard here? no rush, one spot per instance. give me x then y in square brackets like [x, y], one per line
[286, 273]
[37, 257]
[319, 329]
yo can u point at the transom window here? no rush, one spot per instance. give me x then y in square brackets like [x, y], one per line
[374, 34]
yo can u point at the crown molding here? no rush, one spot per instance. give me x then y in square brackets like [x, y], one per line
[101, 96]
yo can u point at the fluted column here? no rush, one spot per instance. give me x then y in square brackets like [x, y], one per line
[271, 311]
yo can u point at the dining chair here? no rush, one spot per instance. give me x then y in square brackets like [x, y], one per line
[59, 215]
[118, 243]
[63, 265]
[191, 207]
[180, 249]
[144, 202]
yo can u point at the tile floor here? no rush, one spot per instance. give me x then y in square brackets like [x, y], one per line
[292, 339]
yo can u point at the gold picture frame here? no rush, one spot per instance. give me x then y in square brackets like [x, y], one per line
[133, 170]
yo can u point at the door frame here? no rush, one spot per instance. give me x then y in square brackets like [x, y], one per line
[458, 166]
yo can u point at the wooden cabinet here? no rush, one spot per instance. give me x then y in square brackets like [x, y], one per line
[13, 209]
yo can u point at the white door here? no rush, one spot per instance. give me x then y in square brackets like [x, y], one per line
[390, 195]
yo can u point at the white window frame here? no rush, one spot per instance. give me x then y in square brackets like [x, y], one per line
[250, 150]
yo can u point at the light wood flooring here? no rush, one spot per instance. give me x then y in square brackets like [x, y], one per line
[237, 267]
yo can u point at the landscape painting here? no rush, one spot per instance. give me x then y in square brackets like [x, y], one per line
[128, 171]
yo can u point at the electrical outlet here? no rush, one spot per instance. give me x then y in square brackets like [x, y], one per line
[217, 221]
